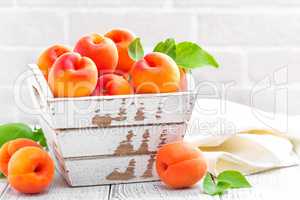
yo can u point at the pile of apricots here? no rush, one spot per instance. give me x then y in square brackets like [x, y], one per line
[100, 65]
[28, 168]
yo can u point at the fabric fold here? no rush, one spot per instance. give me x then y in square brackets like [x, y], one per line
[230, 143]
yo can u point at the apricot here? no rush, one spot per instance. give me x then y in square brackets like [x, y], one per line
[183, 80]
[112, 84]
[179, 165]
[73, 76]
[155, 73]
[30, 170]
[122, 38]
[10, 147]
[101, 50]
[48, 57]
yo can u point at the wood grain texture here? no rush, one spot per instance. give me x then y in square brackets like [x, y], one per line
[157, 191]
[277, 184]
[59, 190]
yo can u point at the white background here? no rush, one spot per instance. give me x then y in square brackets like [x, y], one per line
[251, 39]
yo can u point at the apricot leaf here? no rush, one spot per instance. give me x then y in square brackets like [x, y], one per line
[234, 178]
[209, 186]
[40, 137]
[12, 131]
[167, 47]
[135, 49]
[2, 175]
[191, 55]
[226, 180]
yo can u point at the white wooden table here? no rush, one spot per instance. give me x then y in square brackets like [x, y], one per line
[280, 184]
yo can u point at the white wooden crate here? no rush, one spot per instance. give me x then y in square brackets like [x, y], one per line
[110, 139]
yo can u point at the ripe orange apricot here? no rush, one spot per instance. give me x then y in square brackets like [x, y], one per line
[73, 76]
[155, 73]
[10, 147]
[122, 38]
[112, 84]
[101, 50]
[48, 57]
[179, 165]
[30, 170]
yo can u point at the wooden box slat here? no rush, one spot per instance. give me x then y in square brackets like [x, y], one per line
[121, 169]
[117, 141]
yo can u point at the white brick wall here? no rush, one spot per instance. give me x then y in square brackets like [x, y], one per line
[92, 3]
[149, 25]
[234, 3]
[251, 39]
[30, 28]
[276, 59]
[247, 29]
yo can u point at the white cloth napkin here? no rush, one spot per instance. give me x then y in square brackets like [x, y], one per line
[238, 137]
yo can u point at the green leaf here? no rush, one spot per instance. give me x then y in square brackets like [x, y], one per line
[209, 186]
[225, 180]
[40, 137]
[135, 49]
[214, 189]
[234, 178]
[13, 131]
[191, 55]
[2, 175]
[221, 187]
[167, 47]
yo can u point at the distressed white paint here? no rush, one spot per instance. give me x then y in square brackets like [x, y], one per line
[88, 168]
[93, 171]
[87, 145]
[79, 112]
[109, 141]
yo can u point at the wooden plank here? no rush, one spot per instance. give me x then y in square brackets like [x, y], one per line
[113, 141]
[131, 110]
[276, 185]
[157, 191]
[109, 170]
[61, 191]
[118, 141]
